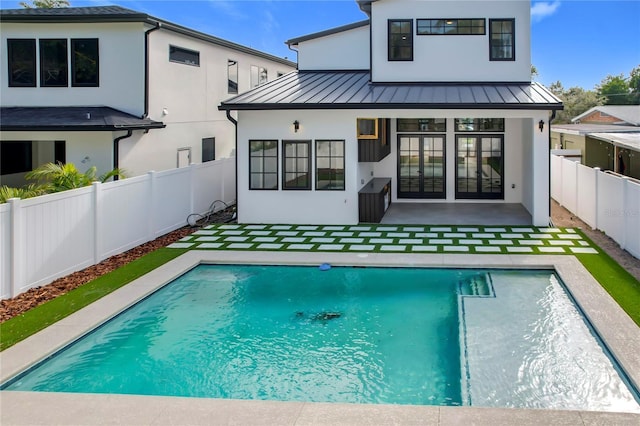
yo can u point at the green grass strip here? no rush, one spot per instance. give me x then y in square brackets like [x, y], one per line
[40, 317]
[617, 281]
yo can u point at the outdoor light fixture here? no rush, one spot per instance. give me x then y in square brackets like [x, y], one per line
[541, 125]
[296, 126]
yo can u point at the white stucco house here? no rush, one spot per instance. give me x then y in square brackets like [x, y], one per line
[108, 86]
[422, 102]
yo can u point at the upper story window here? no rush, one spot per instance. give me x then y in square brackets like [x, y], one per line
[208, 149]
[21, 55]
[53, 63]
[450, 26]
[259, 76]
[84, 62]
[184, 56]
[502, 46]
[232, 76]
[400, 40]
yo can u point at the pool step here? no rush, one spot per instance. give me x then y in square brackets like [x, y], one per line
[477, 285]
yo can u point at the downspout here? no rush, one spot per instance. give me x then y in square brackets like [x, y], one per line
[553, 116]
[146, 68]
[116, 149]
[235, 124]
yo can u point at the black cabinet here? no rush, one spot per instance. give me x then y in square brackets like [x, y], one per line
[374, 199]
[374, 148]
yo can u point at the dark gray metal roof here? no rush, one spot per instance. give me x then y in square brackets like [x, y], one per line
[295, 41]
[121, 14]
[71, 119]
[352, 90]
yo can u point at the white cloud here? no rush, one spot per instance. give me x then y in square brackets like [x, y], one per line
[541, 10]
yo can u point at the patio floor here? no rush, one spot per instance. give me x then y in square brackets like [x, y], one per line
[457, 214]
[389, 239]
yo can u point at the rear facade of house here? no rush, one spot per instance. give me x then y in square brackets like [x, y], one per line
[423, 102]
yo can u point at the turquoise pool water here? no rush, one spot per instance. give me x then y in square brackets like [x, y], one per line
[362, 335]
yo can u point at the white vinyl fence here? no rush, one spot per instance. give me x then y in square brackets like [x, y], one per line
[604, 201]
[47, 237]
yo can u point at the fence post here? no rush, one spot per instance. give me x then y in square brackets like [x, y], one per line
[152, 205]
[97, 222]
[625, 210]
[16, 264]
[192, 183]
[596, 225]
[561, 180]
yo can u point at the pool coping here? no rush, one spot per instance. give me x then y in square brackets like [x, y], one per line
[615, 327]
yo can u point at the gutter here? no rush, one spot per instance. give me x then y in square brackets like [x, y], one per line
[146, 68]
[235, 124]
[116, 149]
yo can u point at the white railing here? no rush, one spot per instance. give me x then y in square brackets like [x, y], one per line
[47, 237]
[605, 201]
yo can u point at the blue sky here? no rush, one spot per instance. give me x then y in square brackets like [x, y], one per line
[574, 41]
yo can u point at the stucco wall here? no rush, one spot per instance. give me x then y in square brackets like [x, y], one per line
[348, 50]
[450, 57]
[121, 57]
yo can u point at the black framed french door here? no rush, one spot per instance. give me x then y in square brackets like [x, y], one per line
[421, 166]
[480, 167]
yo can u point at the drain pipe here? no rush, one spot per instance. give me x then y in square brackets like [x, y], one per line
[553, 116]
[146, 68]
[235, 124]
[116, 149]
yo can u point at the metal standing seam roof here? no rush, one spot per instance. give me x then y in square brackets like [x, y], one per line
[353, 90]
[72, 119]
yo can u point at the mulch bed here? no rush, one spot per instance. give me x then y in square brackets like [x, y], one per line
[10, 308]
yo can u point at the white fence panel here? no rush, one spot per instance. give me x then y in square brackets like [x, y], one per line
[556, 178]
[632, 218]
[56, 234]
[587, 207]
[171, 195]
[569, 185]
[611, 206]
[61, 233]
[5, 251]
[125, 212]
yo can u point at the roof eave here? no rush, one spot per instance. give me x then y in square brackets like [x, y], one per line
[265, 107]
[88, 128]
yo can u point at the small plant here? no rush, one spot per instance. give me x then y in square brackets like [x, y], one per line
[29, 191]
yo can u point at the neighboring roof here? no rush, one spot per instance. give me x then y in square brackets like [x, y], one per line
[625, 113]
[586, 128]
[121, 14]
[623, 140]
[336, 30]
[71, 119]
[352, 90]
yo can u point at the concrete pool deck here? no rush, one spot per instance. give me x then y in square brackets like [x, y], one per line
[619, 332]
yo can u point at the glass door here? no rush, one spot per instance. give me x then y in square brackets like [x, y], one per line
[421, 166]
[480, 165]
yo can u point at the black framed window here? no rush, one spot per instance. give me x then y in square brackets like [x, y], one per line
[208, 149]
[232, 76]
[421, 125]
[479, 124]
[296, 165]
[263, 164]
[502, 46]
[400, 40]
[21, 54]
[450, 27]
[330, 165]
[184, 56]
[53, 63]
[16, 157]
[84, 62]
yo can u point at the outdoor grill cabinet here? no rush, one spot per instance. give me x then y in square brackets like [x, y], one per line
[374, 199]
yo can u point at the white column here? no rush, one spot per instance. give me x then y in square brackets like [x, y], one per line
[17, 264]
[540, 162]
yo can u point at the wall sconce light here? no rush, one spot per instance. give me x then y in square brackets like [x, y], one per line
[541, 125]
[296, 126]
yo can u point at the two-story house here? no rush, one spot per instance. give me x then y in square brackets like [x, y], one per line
[423, 102]
[112, 87]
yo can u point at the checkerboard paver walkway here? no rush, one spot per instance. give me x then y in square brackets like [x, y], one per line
[389, 239]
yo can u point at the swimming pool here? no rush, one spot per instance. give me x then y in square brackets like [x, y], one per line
[305, 336]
